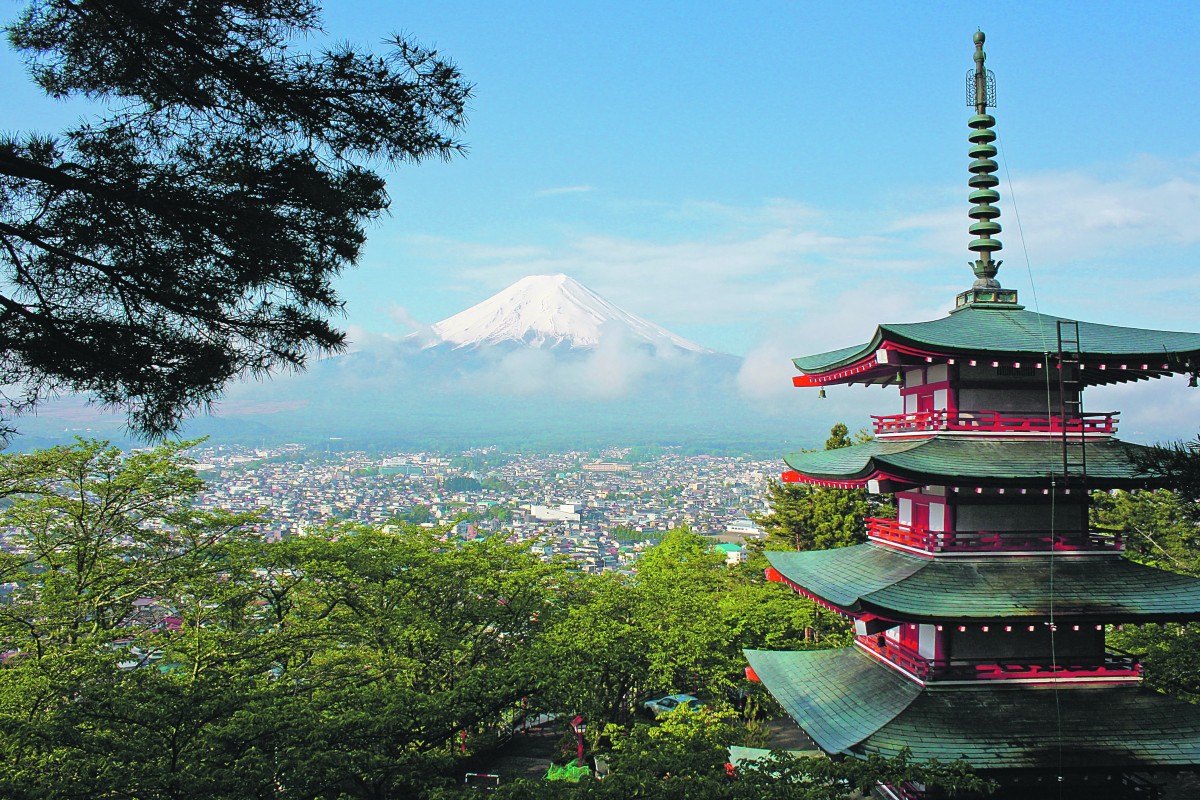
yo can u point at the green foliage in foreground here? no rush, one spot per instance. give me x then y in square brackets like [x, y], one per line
[808, 517]
[153, 650]
[685, 757]
[158, 651]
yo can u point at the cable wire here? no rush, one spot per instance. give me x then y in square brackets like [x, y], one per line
[1051, 624]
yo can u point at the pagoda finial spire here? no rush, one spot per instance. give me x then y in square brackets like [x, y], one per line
[981, 93]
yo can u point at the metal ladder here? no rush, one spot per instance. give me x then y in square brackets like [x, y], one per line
[1070, 408]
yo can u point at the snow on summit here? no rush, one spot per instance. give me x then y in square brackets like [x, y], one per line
[553, 311]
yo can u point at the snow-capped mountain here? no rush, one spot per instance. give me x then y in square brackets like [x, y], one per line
[553, 311]
[546, 363]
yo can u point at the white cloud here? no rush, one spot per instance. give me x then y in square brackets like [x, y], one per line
[730, 276]
[1158, 411]
[1072, 216]
[581, 189]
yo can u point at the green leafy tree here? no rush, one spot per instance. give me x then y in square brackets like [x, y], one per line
[594, 659]
[462, 483]
[808, 517]
[625, 533]
[189, 231]
[156, 651]
[679, 624]
[91, 532]
[1179, 463]
[839, 437]
[660, 630]
[398, 646]
[126, 631]
[1160, 529]
[679, 584]
[417, 515]
[764, 615]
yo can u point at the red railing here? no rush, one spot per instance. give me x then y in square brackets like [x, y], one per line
[1112, 664]
[890, 531]
[1101, 423]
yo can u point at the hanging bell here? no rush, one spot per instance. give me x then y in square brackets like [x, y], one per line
[1192, 380]
[821, 394]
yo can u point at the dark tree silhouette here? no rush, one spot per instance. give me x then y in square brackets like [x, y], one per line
[188, 234]
[1178, 464]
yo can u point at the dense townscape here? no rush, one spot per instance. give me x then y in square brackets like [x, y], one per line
[600, 509]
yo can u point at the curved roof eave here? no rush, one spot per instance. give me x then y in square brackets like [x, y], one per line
[975, 462]
[850, 703]
[1012, 332]
[894, 585]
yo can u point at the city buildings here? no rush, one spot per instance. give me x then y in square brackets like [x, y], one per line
[600, 518]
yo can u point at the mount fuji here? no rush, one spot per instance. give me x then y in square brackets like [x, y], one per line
[553, 311]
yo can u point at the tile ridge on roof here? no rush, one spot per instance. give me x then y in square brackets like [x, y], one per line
[821, 362]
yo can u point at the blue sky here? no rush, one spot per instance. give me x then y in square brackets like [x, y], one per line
[745, 173]
[773, 178]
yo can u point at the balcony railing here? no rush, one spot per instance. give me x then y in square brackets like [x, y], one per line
[1098, 424]
[890, 531]
[1112, 664]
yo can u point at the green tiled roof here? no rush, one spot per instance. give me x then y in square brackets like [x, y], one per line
[971, 462]
[834, 358]
[849, 703]
[996, 331]
[826, 693]
[871, 578]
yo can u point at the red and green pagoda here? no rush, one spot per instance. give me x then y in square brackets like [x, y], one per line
[980, 612]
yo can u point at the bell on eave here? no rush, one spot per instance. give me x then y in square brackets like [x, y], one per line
[1192, 380]
[821, 394]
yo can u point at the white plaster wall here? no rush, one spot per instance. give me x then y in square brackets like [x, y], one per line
[937, 517]
[926, 641]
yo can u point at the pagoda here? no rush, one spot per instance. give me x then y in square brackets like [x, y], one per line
[980, 611]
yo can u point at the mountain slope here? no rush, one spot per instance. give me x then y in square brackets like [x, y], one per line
[553, 311]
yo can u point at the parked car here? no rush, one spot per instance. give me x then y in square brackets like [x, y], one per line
[671, 702]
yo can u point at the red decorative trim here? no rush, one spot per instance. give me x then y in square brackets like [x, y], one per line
[912, 351]
[868, 364]
[858, 368]
[775, 575]
[892, 532]
[792, 476]
[1098, 424]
